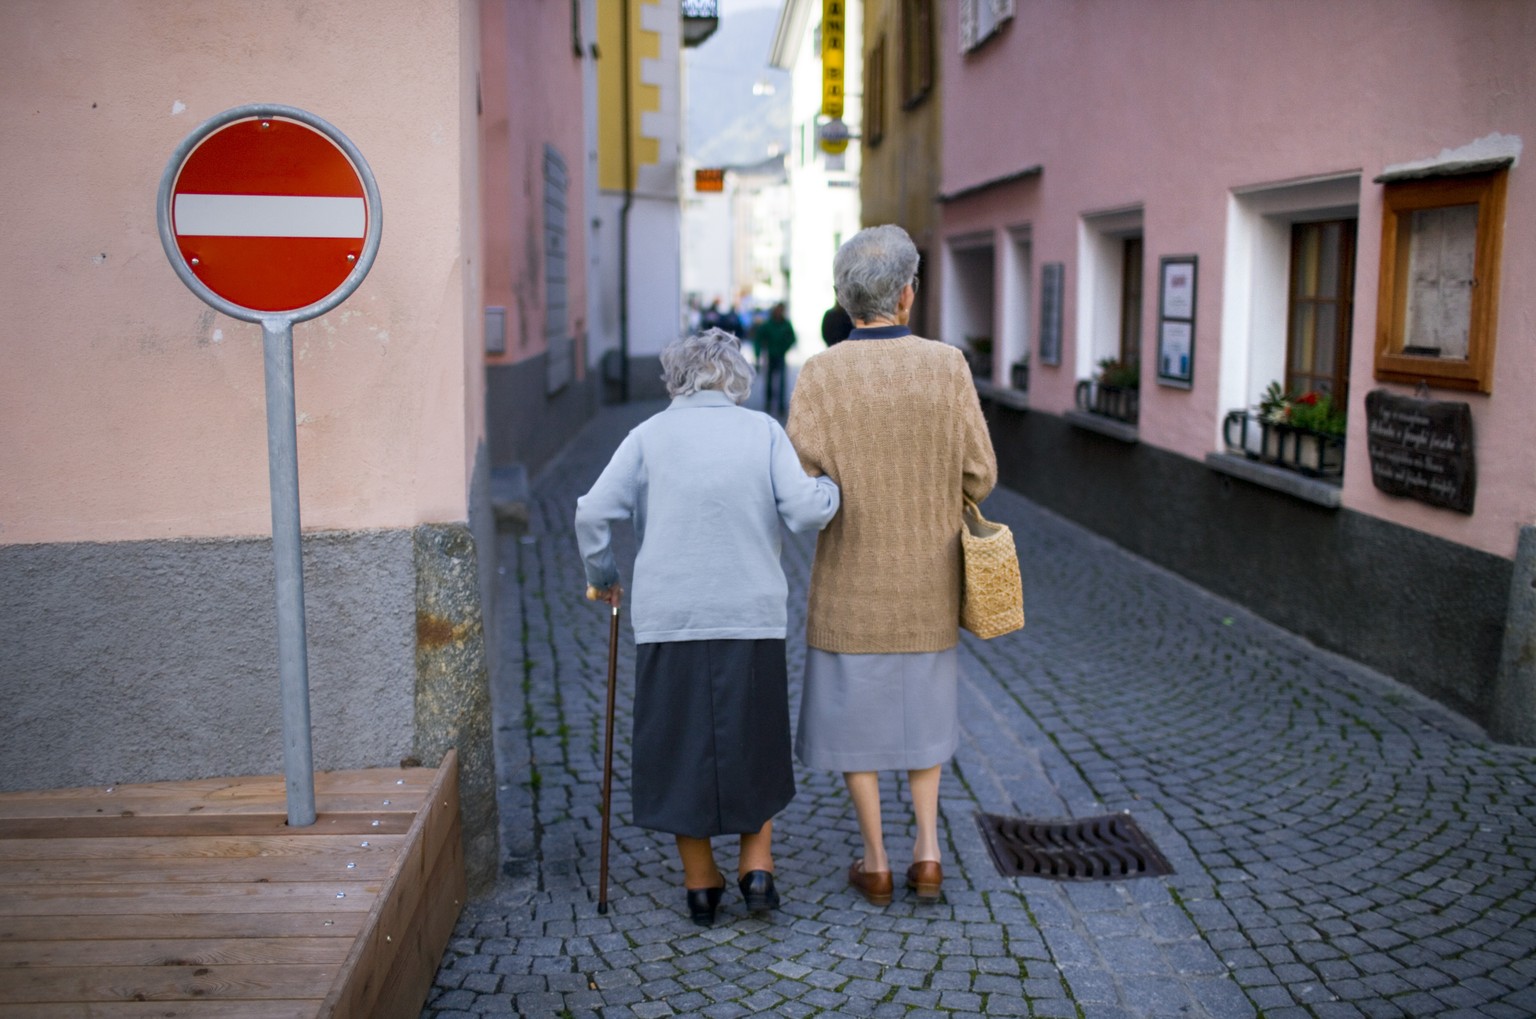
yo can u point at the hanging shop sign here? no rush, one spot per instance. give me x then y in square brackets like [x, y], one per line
[834, 22]
[1421, 449]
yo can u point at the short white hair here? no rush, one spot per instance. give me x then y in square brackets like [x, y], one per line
[870, 270]
[709, 360]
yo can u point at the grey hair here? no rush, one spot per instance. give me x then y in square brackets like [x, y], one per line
[870, 270]
[709, 360]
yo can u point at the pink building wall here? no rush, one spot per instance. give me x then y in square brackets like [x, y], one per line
[531, 94]
[1173, 106]
[130, 409]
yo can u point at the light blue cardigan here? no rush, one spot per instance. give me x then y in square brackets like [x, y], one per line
[706, 483]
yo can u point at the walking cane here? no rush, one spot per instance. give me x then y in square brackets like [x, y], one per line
[613, 669]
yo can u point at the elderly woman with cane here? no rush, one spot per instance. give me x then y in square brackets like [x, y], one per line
[706, 483]
[896, 421]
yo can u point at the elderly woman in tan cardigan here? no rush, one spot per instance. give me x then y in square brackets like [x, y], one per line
[895, 421]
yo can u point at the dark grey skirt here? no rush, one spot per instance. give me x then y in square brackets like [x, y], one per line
[711, 736]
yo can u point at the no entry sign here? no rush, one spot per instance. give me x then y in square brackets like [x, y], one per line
[269, 211]
[270, 215]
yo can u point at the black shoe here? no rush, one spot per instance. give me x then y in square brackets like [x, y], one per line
[702, 903]
[757, 888]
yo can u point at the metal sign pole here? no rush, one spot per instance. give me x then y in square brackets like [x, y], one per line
[227, 182]
[288, 562]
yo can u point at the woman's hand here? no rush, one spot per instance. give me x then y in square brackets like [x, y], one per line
[609, 595]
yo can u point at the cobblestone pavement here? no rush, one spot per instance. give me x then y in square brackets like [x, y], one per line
[1342, 846]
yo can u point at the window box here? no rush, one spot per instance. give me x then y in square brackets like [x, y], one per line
[1314, 454]
[1018, 375]
[1122, 403]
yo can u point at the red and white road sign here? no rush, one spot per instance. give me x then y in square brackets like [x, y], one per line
[269, 214]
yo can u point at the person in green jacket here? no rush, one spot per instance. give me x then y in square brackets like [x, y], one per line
[773, 337]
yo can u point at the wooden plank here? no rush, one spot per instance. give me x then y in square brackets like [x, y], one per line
[163, 983]
[125, 869]
[64, 927]
[415, 781]
[356, 994]
[268, 1009]
[176, 806]
[409, 980]
[211, 847]
[181, 826]
[301, 897]
[175, 952]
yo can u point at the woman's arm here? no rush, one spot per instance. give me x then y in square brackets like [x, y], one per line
[612, 498]
[802, 427]
[805, 503]
[979, 460]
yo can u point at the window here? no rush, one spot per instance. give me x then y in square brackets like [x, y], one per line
[969, 276]
[1438, 301]
[1130, 302]
[916, 51]
[1318, 321]
[980, 20]
[874, 95]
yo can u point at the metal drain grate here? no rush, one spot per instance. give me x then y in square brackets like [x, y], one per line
[1107, 848]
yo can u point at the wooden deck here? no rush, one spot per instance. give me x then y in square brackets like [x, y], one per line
[196, 899]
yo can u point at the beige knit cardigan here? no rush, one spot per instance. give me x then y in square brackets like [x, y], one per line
[897, 424]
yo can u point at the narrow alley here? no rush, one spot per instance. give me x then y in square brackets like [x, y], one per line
[1342, 846]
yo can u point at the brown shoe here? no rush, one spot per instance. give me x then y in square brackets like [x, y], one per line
[874, 885]
[924, 878]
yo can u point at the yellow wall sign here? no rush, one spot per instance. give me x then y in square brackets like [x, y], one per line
[834, 21]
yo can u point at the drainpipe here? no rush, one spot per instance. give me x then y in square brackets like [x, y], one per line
[629, 200]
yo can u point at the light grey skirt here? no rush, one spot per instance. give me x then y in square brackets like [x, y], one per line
[878, 712]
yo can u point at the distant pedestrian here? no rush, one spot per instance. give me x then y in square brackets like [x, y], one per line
[724, 319]
[835, 325]
[896, 421]
[773, 338]
[706, 483]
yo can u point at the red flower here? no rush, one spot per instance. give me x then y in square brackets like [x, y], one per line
[1308, 398]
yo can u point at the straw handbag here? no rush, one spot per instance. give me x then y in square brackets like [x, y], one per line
[992, 597]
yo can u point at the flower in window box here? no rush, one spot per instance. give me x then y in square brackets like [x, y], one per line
[1274, 405]
[1316, 412]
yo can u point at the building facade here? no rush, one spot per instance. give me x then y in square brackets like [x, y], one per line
[900, 152]
[537, 93]
[823, 187]
[1247, 286]
[136, 576]
[636, 273]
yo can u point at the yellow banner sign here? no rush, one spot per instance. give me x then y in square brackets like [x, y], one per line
[834, 20]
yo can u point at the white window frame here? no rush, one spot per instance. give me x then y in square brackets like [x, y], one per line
[970, 302]
[1101, 240]
[1256, 279]
[1016, 337]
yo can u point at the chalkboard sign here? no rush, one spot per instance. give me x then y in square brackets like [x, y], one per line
[1422, 449]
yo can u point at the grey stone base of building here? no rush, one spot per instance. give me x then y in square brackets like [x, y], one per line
[1429, 612]
[526, 424]
[145, 661]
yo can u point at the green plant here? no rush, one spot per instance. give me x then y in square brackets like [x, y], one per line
[1316, 412]
[1119, 374]
[1312, 411]
[1273, 405]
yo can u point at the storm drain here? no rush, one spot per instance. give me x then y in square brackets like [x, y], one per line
[1108, 848]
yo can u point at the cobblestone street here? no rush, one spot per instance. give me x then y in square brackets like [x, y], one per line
[1342, 846]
